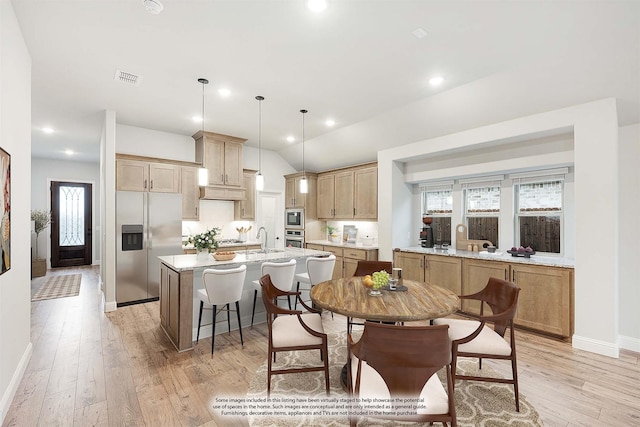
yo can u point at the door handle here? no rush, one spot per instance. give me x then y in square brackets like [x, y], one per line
[151, 186]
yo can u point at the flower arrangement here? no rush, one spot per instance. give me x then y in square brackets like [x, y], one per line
[206, 240]
[41, 219]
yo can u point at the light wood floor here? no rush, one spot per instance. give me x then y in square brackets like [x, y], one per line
[91, 368]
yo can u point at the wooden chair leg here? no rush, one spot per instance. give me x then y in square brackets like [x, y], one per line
[514, 369]
[213, 328]
[199, 321]
[239, 324]
[253, 313]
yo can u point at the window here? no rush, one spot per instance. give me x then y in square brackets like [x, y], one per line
[539, 215]
[438, 204]
[482, 212]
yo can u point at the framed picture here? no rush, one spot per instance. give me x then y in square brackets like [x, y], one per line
[5, 204]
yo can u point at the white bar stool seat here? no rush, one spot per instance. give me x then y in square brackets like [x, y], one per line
[319, 269]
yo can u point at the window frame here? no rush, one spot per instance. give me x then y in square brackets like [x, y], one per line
[487, 214]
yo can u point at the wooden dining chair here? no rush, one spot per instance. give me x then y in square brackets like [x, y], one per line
[291, 330]
[369, 267]
[401, 362]
[474, 338]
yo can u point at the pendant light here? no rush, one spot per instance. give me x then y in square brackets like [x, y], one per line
[259, 176]
[304, 184]
[203, 173]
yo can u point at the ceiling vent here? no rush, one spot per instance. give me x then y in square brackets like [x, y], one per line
[129, 78]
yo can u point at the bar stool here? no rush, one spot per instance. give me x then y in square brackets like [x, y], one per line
[221, 287]
[281, 276]
[319, 269]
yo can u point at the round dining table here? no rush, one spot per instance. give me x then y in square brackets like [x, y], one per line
[420, 301]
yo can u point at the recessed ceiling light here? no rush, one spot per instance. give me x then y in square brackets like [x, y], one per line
[316, 5]
[290, 138]
[153, 6]
[224, 92]
[47, 130]
[69, 152]
[196, 119]
[419, 33]
[436, 81]
[330, 122]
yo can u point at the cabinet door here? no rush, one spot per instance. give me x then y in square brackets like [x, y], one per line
[132, 175]
[412, 265]
[475, 276]
[214, 160]
[338, 268]
[544, 302]
[366, 193]
[246, 209]
[190, 193]
[164, 295]
[349, 267]
[173, 322]
[233, 175]
[344, 195]
[290, 193]
[326, 195]
[164, 178]
[444, 271]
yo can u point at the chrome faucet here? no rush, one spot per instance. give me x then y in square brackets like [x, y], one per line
[264, 244]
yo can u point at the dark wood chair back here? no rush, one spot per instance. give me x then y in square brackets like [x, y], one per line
[369, 267]
[502, 297]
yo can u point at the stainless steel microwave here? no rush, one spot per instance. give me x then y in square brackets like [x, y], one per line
[294, 218]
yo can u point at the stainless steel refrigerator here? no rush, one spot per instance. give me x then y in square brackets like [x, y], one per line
[148, 225]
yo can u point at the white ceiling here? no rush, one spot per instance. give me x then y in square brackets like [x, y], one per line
[357, 62]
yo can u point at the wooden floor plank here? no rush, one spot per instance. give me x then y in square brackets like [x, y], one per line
[124, 371]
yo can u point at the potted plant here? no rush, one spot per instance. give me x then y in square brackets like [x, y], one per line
[41, 219]
[204, 242]
[332, 233]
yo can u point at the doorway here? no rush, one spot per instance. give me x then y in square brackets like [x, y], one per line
[71, 239]
[270, 215]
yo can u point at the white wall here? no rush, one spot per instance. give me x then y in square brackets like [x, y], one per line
[154, 143]
[629, 191]
[595, 129]
[15, 138]
[43, 171]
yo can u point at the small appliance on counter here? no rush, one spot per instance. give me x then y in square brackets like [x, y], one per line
[426, 234]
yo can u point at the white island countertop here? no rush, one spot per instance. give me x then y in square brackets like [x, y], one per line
[191, 262]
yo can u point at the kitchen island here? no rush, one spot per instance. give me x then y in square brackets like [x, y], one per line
[181, 277]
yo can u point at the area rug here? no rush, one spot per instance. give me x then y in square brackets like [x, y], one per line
[60, 286]
[477, 404]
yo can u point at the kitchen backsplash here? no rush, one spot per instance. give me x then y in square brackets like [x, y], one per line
[365, 229]
[216, 213]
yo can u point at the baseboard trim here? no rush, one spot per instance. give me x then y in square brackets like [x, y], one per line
[18, 374]
[596, 346]
[629, 343]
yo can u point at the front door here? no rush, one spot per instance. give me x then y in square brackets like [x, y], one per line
[70, 224]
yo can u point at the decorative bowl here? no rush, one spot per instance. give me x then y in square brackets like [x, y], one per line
[521, 254]
[224, 256]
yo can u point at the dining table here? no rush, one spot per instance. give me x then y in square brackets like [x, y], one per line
[413, 301]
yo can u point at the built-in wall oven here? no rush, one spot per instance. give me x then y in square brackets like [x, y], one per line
[294, 239]
[294, 219]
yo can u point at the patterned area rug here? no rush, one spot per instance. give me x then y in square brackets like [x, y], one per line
[477, 404]
[60, 286]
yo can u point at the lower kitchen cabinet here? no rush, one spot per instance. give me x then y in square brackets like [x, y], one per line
[412, 265]
[437, 270]
[346, 258]
[173, 301]
[475, 276]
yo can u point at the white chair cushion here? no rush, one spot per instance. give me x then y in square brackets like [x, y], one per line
[433, 395]
[202, 295]
[287, 330]
[487, 342]
[256, 286]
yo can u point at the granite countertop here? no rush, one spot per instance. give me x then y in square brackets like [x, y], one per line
[502, 256]
[342, 245]
[191, 262]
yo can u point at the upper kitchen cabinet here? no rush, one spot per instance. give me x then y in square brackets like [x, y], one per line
[246, 209]
[141, 175]
[190, 193]
[350, 193]
[222, 156]
[295, 199]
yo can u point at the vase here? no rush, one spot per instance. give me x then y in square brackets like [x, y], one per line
[375, 292]
[202, 254]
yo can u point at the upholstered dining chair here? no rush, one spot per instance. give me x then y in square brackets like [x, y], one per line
[291, 330]
[282, 276]
[390, 362]
[369, 267]
[221, 287]
[319, 269]
[474, 338]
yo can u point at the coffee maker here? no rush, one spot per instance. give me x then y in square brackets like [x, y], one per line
[426, 234]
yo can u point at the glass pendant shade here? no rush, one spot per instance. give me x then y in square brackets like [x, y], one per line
[304, 185]
[203, 177]
[259, 182]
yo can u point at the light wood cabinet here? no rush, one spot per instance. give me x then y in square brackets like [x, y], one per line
[346, 258]
[412, 265]
[246, 209]
[348, 193]
[222, 156]
[137, 175]
[175, 302]
[190, 193]
[476, 274]
[295, 199]
[437, 270]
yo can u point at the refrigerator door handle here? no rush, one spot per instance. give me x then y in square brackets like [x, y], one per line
[147, 216]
